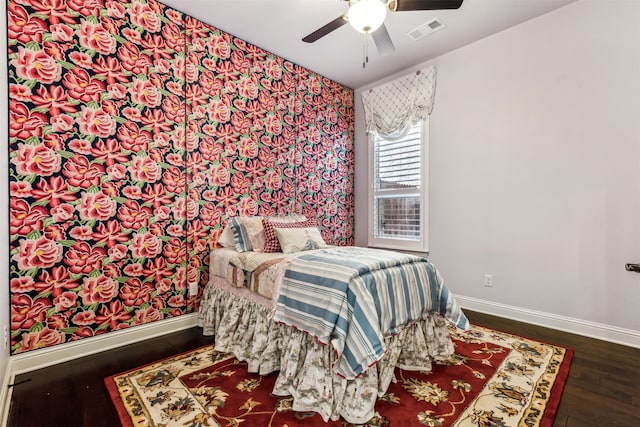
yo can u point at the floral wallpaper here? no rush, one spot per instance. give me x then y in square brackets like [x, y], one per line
[135, 132]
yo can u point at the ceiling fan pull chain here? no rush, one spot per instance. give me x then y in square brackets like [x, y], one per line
[365, 51]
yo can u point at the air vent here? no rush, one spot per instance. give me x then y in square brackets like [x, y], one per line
[425, 29]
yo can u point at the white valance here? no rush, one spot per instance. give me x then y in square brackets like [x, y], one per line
[391, 108]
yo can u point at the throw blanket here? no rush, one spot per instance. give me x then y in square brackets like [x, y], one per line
[353, 297]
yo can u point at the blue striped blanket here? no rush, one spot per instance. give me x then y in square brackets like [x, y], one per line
[352, 297]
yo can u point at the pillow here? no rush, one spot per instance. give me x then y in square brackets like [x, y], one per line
[271, 239]
[299, 239]
[226, 239]
[248, 232]
[240, 235]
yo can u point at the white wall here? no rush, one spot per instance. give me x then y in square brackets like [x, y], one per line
[535, 165]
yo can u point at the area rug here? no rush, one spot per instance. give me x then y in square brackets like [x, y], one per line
[494, 379]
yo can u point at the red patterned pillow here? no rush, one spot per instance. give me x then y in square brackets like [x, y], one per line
[271, 239]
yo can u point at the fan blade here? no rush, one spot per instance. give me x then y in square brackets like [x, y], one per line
[405, 5]
[323, 31]
[383, 41]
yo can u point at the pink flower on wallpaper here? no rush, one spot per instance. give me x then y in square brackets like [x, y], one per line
[116, 172]
[81, 146]
[273, 180]
[179, 209]
[42, 338]
[163, 286]
[218, 46]
[273, 124]
[219, 111]
[23, 27]
[38, 253]
[65, 301]
[248, 207]
[174, 180]
[61, 32]
[19, 92]
[247, 88]
[248, 148]
[273, 68]
[161, 66]
[144, 169]
[81, 59]
[133, 216]
[36, 65]
[115, 9]
[84, 318]
[36, 160]
[25, 218]
[147, 315]
[62, 212]
[144, 92]
[24, 123]
[192, 209]
[80, 86]
[176, 301]
[97, 206]
[20, 189]
[143, 16]
[117, 253]
[54, 190]
[135, 293]
[84, 259]
[117, 91]
[61, 123]
[175, 230]
[85, 7]
[57, 322]
[21, 284]
[82, 232]
[191, 72]
[173, 107]
[162, 213]
[219, 175]
[132, 138]
[145, 245]
[98, 289]
[25, 312]
[174, 251]
[96, 122]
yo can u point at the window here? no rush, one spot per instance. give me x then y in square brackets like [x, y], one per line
[398, 190]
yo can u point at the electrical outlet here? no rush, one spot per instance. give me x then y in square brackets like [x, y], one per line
[488, 280]
[193, 289]
[6, 337]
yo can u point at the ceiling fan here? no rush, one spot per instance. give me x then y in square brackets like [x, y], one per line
[367, 16]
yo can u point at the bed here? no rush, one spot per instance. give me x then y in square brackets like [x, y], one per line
[331, 322]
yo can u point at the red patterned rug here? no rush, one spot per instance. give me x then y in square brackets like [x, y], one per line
[494, 379]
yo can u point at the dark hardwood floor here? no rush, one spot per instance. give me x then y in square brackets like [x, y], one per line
[603, 388]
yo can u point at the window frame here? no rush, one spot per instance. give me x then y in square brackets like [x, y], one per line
[421, 245]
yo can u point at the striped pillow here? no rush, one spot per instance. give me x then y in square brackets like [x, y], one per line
[240, 236]
[271, 238]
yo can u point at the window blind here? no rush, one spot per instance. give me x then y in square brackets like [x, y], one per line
[397, 181]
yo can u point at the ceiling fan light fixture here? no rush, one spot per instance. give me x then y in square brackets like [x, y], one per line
[366, 16]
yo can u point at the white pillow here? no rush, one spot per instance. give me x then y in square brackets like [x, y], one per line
[226, 238]
[300, 239]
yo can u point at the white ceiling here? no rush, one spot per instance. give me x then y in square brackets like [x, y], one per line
[279, 25]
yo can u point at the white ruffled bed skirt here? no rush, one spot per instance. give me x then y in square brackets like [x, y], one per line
[242, 324]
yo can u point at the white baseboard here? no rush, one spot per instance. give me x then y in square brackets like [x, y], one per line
[585, 328]
[37, 359]
[5, 394]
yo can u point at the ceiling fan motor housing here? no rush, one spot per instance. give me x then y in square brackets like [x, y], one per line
[366, 15]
